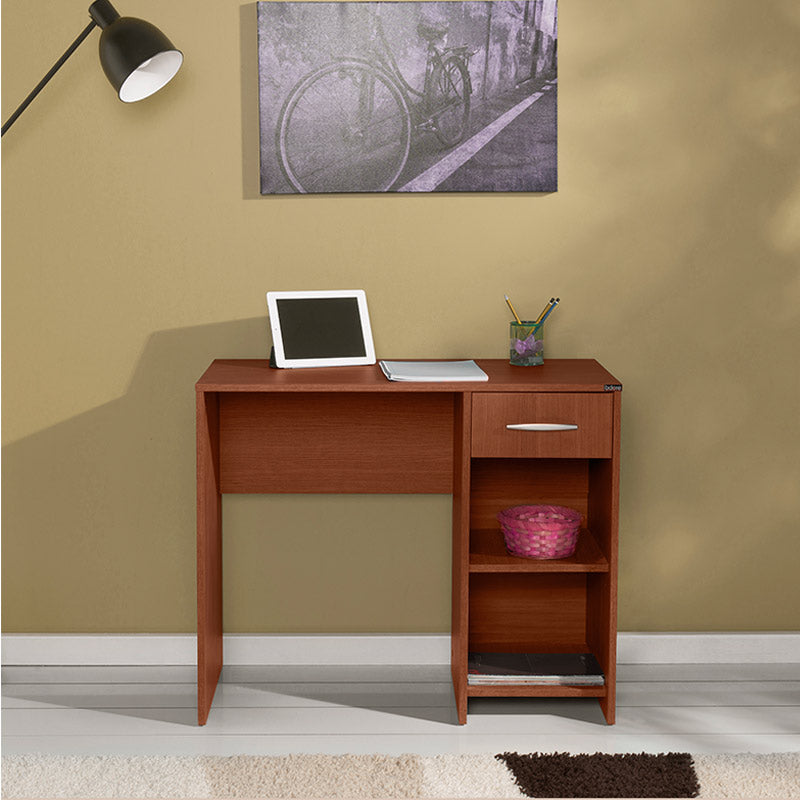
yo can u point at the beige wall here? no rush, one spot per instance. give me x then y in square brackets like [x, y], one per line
[136, 249]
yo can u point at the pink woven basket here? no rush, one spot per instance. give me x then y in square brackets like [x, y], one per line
[540, 531]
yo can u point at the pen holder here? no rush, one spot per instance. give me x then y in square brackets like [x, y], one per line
[527, 344]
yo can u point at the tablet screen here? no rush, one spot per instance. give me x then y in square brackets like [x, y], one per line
[317, 327]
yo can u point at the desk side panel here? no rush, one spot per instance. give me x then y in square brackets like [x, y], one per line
[331, 443]
[209, 554]
[601, 631]
[460, 571]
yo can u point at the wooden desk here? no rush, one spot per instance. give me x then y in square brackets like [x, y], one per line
[349, 429]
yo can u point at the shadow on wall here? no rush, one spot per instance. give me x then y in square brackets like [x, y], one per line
[112, 491]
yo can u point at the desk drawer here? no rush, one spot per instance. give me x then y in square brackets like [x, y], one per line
[560, 425]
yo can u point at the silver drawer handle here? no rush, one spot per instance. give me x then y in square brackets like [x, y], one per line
[542, 426]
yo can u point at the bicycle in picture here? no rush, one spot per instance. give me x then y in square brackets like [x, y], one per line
[348, 126]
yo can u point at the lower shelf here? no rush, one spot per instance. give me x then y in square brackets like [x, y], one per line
[524, 690]
[535, 674]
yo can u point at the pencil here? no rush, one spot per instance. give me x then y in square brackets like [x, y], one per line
[550, 310]
[516, 316]
[544, 311]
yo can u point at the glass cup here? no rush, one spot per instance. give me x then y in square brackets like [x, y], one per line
[527, 344]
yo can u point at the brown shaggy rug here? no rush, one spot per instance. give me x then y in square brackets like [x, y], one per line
[507, 775]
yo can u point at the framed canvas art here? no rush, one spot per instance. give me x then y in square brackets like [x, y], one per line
[408, 96]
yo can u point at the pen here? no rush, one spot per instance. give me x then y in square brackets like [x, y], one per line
[547, 308]
[516, 316]
[550, 310]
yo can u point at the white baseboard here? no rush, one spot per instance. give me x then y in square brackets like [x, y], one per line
[770, 647]
[67, 649]
[20, 649]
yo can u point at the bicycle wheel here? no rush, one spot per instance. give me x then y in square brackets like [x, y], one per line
[345, 127]
[451, 94]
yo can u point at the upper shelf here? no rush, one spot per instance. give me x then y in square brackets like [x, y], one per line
[487, 553]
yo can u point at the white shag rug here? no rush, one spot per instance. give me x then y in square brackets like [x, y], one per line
[349, 776]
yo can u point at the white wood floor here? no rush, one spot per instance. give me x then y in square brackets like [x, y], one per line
[393, 710]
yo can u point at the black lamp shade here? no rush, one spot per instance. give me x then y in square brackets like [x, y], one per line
[137, 58]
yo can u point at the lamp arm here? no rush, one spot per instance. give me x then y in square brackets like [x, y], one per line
[43, 82]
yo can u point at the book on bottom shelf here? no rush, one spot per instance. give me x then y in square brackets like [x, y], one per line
[557, 669]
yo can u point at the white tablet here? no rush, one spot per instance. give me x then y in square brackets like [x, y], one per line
[320, 329]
